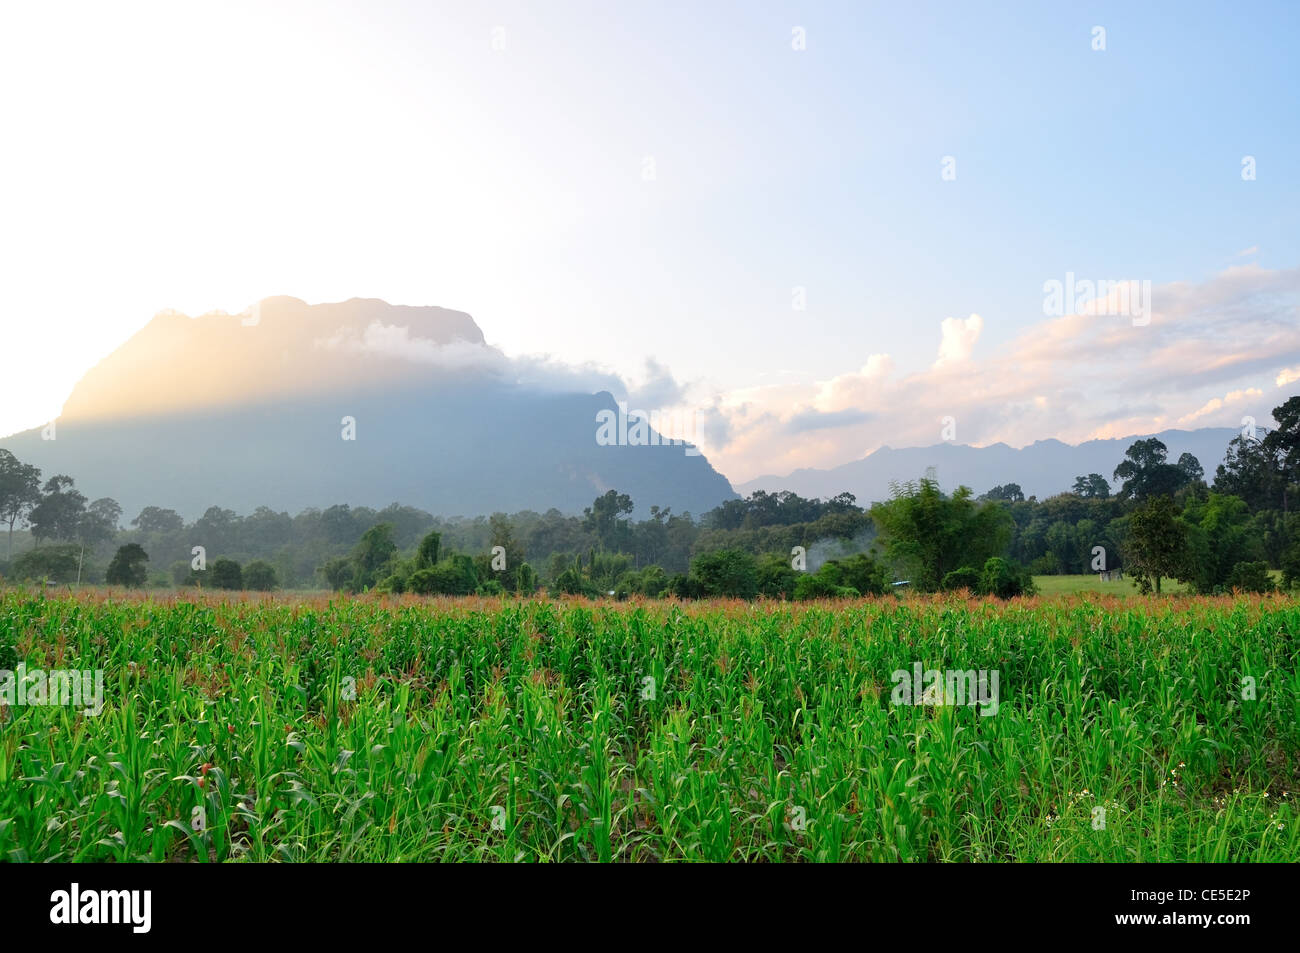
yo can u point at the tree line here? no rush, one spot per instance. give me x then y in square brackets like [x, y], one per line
[1164, 521]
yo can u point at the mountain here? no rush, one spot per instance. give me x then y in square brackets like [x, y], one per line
[1042, 469]
[249, 410]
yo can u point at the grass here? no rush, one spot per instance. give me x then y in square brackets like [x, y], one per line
[1068, 585]
[501, 730]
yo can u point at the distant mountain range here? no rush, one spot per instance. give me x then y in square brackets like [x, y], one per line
[253, 410]
[1042, 469]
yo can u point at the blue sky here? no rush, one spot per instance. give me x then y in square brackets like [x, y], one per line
[490, 157]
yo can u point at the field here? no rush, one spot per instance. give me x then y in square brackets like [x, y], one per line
[368, 730]
[1068, 585]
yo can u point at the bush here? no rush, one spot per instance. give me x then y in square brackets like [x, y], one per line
[776, 577]
[1251, 577]
[967, 577]
[727, 573]
[55, 563]
[454, 577]
[1005, 579]
[260, 576]
[226, 574]
[821, 585]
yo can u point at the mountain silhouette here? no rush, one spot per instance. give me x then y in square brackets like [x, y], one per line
[1042, 469]
[251, 410]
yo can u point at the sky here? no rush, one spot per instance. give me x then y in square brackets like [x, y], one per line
[820, 227]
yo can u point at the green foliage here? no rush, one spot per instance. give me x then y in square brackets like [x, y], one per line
[1157, 544]
[727, 573]
[372, 555]
[454, 576]
[260, 576]
[967, 577]
[53, 563]
[929, 534]
[128, 567]
[1251, 577]
[1005, 579]
[226, 574]
[776, 577]
[426, 557]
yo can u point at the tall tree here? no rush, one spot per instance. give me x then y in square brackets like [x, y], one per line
[20, 491]
[1284, 443]
[154, 519]
[1092, 487]
[59, 512]
[604, 518]
[933, 534]
[1157, 543]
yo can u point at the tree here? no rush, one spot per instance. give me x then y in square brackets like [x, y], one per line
[260, 576]
[1092, 487]
[98, 524]
[20, 491]
[932, 534]
[602, 518]
[1251, 577]
[1008, 493]
[371, 555]
[226, 574]
[1145, 471]
[153, 519]
[1250, 470]
[1157, 543]
[59, 512]
[727, 573]
[426, 557]
[127, 568]
[338, 573]
[1284, 445]
[54, 563]
[502, 534]
[1005, 579]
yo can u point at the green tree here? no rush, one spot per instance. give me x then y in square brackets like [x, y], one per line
[371, 555]
[1007, 493]
[426, 557]
[154, 519]
[1146, 472]
[932, 534]
[1156, 545]
[260, 576]
[339, 573]
[1283, 443]
[1092, 487]
[128, 567]
[53, 563]
[58, 514]
[1251, 577]
[226, 574]
[727, 573]
[20, 491]
[604, 519]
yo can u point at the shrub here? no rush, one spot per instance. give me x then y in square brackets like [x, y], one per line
[1251, 577]
[967, 577]
[226, 574]
[1005, 579]
[55, 563]
[261, 576]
